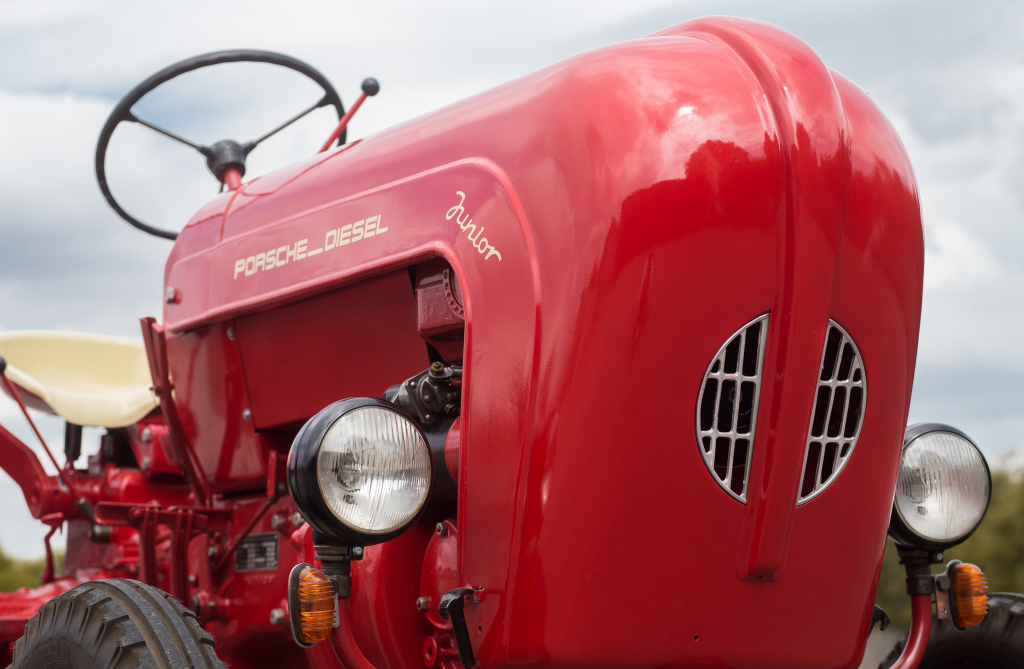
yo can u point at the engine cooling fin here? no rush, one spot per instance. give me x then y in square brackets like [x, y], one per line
[838, 413]
[727, 408]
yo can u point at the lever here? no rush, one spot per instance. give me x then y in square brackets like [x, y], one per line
[370, 88]
[450, 608]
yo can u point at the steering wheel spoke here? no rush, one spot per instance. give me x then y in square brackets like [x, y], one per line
[167, 133]
[254, 143]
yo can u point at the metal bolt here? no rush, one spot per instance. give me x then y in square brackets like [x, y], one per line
[191, 579]
[437, 366]
[276, 617]
[357, 551]
[146, 463]
[938, 556]
[170, 295]
[423, 604]
[297, 519]
[277, 521]
[441, 530]
[412, 384]
[231, 336]
[211, 551]
[246, 415]
[146, 436]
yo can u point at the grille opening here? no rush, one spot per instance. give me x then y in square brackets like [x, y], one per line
[820, 411]
[739, 465]
[750, 350]
[845, 363]
[835, 421]
[732, 354]
[828, 466]
[811, 469]
[726, 416]
[725, 405]
[828, 365]
[722, 457]
[853, 412]
[707, 404]
[838, 413]
[746, 412]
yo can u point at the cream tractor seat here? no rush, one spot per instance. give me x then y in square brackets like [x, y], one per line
[85, 379]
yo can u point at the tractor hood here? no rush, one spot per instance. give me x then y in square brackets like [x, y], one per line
[614, 220]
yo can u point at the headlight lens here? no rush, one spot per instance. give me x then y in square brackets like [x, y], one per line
[360, 472]
[943, 486]
[374, 469]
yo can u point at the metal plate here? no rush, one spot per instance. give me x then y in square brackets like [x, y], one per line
[257, 552]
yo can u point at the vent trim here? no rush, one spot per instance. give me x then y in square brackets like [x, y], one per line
[826, 452]
[719, 421]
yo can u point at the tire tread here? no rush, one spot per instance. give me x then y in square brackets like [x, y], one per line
[116, 624]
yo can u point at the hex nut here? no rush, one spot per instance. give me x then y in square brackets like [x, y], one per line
[276, 617]
[277, 521]
[441, 530]
[423, 604]
[297, 520]
[246, 415]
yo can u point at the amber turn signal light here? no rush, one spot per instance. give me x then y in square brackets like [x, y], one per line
[312, 595]
[968, 595]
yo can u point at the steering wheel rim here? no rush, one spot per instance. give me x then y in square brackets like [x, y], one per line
[123, 112]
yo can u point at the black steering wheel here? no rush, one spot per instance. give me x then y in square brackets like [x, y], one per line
[222, 155]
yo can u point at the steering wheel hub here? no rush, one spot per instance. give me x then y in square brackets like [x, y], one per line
[225, 154]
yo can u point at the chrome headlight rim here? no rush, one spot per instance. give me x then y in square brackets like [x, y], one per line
[899, 530]
[304, 479]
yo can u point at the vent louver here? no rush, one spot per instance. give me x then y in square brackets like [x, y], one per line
[838, 413]
[727, 408]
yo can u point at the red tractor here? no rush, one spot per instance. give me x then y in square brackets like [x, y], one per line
[644, 321]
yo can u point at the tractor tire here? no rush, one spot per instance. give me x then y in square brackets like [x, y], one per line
[115, 623]
[997, 643]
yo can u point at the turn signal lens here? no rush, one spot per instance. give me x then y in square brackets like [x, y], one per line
[318, 605]
[969, 593]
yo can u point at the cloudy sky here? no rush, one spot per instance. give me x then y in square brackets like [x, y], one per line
[950, 76]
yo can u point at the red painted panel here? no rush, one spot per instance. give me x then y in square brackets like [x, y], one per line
[352, 342]
[209, 388]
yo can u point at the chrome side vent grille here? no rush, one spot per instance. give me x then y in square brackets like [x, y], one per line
[727, 408]
[838, 413]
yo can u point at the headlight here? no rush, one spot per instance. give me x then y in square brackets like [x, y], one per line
[360, 471]
[942, 489]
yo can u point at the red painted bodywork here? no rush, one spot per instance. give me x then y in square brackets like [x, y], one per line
[607, 222]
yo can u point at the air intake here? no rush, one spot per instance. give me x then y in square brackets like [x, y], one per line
[838, 413]
[727, 409]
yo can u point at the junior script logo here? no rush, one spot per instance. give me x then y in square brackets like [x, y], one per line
[480, 243]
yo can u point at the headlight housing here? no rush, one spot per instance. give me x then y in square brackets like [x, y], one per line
[943, 488]
[360, 472]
